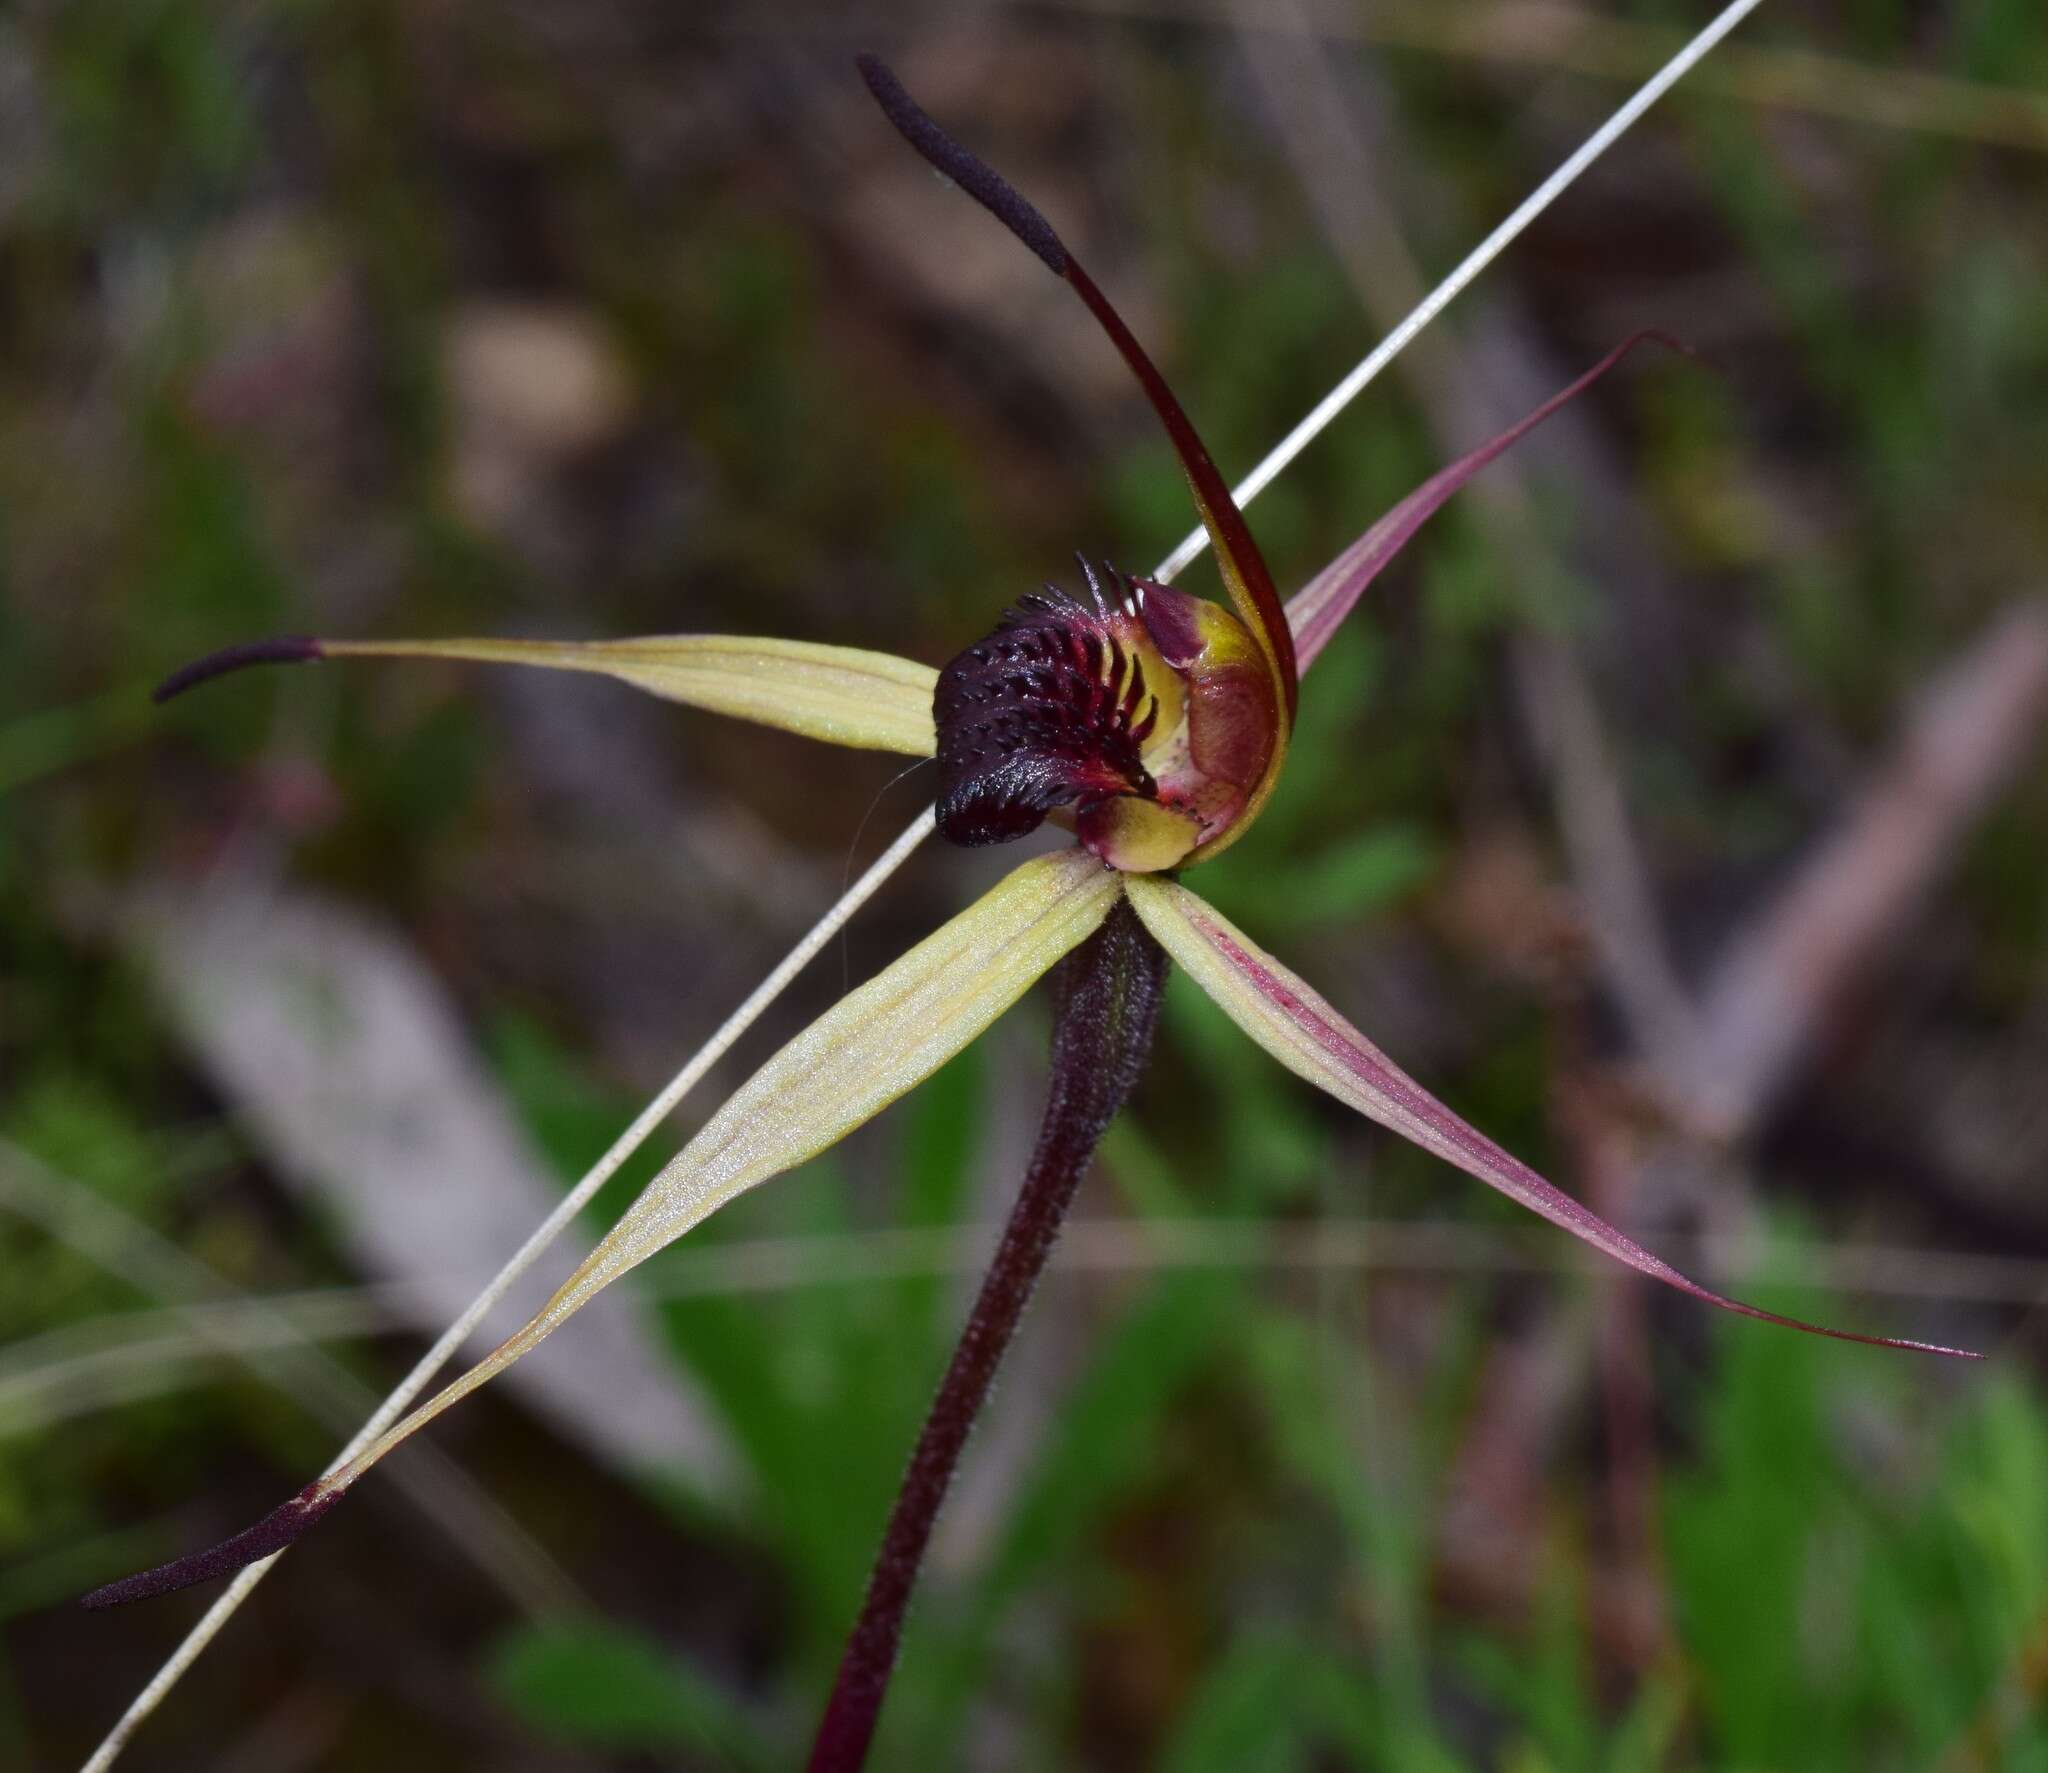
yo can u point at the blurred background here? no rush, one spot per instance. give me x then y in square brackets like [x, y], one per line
[1675, 808]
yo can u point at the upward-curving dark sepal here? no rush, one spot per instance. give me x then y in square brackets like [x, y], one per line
[978, 179]
[1049, 711]
[1245, 575]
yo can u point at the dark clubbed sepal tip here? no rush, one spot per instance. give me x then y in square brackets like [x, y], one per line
[981, 182]
[276, 1530]
[285, 649]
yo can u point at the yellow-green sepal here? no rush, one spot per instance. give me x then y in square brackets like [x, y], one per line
[874, 1045]
[844, 695]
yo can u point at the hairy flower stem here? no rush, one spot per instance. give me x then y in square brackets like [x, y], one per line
[1106, 1007]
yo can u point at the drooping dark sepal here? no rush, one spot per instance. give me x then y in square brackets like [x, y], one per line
[1050, 710]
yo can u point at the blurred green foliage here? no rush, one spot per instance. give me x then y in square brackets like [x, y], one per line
[1853, 1575]
[240, 251]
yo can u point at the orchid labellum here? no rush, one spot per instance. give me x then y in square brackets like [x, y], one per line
[1154, 725]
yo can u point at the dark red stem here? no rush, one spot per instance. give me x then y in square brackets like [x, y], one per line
[1107, 1006]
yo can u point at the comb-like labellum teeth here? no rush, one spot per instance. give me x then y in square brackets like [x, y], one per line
[1158, 697]
[1038, 716]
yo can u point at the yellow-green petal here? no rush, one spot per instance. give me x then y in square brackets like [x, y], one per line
[841, 694]
[850, 1064]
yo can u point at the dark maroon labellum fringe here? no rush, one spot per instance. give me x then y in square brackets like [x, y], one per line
[285, 649]
[1048, 711]
[279, 1528]
[1107, 1007]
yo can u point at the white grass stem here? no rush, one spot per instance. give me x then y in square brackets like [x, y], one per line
[107, 1235]
[1474, 262]
[656, 1111]
[528, 1253]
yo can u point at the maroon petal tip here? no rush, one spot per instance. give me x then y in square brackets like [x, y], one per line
[284, 649]
[281, 1527]
[1656, 335]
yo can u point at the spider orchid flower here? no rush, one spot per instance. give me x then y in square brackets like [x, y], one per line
[1151, 723]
